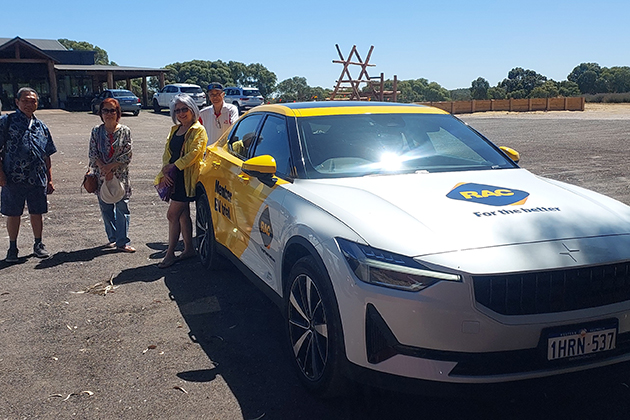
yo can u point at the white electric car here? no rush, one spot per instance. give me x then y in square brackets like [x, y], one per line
[403, 246]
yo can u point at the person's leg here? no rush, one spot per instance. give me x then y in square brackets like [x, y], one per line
[122, 223]
[12, 200]
[37, 203]
[109, 220]
[37, 223]
[187, 235]
[173, 214]
[13, 227]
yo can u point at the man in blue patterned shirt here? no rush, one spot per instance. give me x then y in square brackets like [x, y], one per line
[25, 176]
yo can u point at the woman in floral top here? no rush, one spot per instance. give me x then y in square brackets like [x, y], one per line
[110, 154]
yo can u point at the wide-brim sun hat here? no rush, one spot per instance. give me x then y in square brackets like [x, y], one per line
[111, 191]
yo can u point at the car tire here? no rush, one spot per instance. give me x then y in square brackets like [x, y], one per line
[94, 109]
[204, 234]
[136, 113]
[313, 328]
[156, 107]
[238, 108]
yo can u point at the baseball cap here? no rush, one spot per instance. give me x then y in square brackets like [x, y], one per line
[214, 85]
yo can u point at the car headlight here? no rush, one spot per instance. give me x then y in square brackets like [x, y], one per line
[383, 268]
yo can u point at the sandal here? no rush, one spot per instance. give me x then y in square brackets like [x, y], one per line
[126, 248]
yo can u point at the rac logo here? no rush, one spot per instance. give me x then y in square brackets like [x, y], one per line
[488, 194]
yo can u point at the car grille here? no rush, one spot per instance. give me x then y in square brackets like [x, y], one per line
[554, 291]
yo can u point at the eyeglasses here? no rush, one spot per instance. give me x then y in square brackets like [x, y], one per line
[181, 110]
[108, 110]
[214, 95]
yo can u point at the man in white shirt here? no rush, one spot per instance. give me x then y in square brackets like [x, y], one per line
[219, 117]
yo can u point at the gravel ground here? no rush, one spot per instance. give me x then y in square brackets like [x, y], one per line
[185, 343]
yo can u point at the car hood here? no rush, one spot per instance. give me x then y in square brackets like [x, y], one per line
[427, 213]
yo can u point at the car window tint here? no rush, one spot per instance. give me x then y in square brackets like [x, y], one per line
[123, 93]
[251, 92]
[274, 141]
[171, 89]
[243, 136]
[191, 89]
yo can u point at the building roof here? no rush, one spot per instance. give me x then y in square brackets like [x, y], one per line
[42, 44]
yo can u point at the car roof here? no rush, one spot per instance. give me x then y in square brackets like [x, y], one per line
[182, 85]
[308, 109]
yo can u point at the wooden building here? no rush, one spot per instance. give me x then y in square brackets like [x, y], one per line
[63, 78]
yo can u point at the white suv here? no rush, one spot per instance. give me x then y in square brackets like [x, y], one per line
[243, 98]
[163, 98]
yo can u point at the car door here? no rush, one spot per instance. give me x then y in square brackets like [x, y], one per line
[228, 185]
[261, 216]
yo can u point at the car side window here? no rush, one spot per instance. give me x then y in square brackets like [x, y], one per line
[243, 136]
[274, 141]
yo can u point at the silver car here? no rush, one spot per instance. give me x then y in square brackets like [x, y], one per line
[244, 98]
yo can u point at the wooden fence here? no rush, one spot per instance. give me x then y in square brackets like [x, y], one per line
[516, 105]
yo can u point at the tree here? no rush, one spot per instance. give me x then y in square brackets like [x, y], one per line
[100, 56]
[293, 90]
[568, 88]
[615, 79]
[497, 93]
[420, 90]
[520, 83]
[549, 89]
[586, 76]
[479, 88]
[255, 75]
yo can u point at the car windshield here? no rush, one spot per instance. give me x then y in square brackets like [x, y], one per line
[191, 89]
[354, 145]
[122, 93]
[251, 92]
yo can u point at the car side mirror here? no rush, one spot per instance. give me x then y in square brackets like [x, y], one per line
[261, 167]
[512, 154]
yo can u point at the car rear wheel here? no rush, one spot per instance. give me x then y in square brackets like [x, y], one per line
[237, 107]
[94, 109]
[136, 113]
[204, 235]
[314, 329]
[156, 107]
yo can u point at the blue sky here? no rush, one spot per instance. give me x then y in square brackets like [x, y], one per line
[449, 42]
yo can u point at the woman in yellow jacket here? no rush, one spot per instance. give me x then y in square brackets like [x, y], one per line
[183, 153]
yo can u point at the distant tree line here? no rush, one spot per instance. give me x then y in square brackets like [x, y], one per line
[584, 79]
[587, 78]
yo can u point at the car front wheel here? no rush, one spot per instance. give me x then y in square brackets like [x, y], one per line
[156, 107]
[314, 329]
[204, 235]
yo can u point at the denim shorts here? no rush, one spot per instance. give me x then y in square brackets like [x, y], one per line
[14, 196]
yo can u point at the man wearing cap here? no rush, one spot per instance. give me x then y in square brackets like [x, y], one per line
[25, 175]
[218, 118]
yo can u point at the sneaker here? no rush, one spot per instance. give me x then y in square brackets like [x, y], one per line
[12, 255]
[39, 249]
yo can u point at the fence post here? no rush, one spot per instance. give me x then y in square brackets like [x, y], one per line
[510, 104]
[547, 105]
[491, 104]
[473, 106]
[529, 104]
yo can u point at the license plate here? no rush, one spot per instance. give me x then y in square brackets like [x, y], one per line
[580, 342]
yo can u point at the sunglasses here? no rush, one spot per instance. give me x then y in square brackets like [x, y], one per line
[108, 111]
[181, 110]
